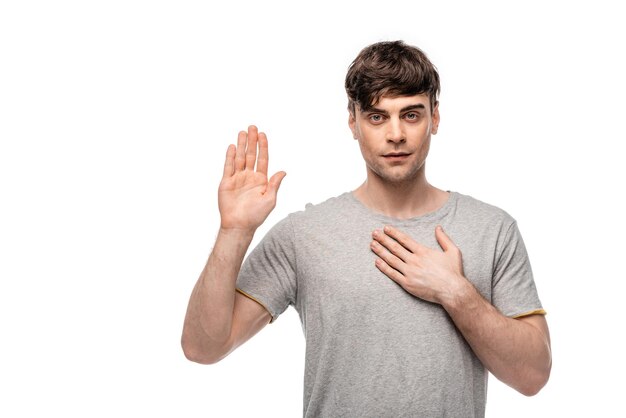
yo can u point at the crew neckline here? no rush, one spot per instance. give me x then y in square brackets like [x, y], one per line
[436, 214]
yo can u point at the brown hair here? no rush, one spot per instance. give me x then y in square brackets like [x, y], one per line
[390, 69]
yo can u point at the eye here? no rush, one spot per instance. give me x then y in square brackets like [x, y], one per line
[412, 116]
[375, 118]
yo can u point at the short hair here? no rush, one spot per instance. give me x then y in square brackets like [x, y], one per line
[390, 69]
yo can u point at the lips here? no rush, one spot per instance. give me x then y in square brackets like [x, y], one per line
[397, 154]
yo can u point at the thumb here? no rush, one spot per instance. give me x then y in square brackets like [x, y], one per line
[275, 181]
[444, 240]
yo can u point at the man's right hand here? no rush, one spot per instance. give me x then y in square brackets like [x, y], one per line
[245, 196]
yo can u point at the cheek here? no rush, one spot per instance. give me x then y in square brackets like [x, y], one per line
[368, 134]
[364, 149]
[367, 152]
[424, 149]
[361, 131]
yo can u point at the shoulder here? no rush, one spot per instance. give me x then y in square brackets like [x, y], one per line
[313, 217]
[480, 210]
[328, 211]
[482, 226]
[479, 217]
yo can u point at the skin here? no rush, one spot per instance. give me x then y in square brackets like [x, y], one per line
[218, 320]
[397, 125]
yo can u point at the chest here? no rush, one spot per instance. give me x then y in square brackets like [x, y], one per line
[339, 288]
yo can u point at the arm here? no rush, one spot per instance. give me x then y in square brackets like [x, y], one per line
[218, 319]
[516, 351]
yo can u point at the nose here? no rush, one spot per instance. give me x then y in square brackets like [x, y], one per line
[395, 132]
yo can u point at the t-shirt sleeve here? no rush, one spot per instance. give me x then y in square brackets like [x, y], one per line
[268, 274]
[513, 287]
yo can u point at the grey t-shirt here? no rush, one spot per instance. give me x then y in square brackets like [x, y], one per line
[373, 349]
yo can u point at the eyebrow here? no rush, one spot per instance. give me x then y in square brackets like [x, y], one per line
[419, 106]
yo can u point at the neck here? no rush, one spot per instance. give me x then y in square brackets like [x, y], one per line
[402, 200]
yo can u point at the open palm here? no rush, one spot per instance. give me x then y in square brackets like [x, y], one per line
[245, 196]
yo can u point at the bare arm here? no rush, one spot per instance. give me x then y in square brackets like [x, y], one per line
[516, 351]
[218, 319]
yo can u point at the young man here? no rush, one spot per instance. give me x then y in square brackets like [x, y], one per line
[407, 294]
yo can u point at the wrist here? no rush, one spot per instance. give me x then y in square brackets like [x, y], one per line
[459, 296]
[232, 243]
[236, 233]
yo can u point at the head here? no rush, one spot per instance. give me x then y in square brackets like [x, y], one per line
[390, 69]
[392, 90]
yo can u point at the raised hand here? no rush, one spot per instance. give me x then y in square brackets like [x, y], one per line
[245, 196]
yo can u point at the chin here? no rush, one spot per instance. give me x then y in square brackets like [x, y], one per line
[398, 178]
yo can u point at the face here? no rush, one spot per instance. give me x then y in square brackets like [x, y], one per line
[394, 136]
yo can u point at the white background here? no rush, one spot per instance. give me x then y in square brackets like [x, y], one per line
[114, 120]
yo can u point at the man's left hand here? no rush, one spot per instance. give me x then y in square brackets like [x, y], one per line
[432, 275]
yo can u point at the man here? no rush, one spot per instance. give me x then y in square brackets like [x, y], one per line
[407, 293]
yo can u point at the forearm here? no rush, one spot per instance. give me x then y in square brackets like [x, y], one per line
[516, 351]
[210, 312]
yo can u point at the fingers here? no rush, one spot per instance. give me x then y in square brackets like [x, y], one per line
[229, 164]
[245, 157]
[275, 182]
[405, 240]
[388, 256]
[390, 272]
[251, 148]
[396, 241]
[240, 156]
[444, 240]
[263, 160]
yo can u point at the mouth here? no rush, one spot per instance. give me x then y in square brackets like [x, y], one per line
[396, 156]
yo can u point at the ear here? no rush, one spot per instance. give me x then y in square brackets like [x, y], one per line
[352, 123]
[435, 125]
